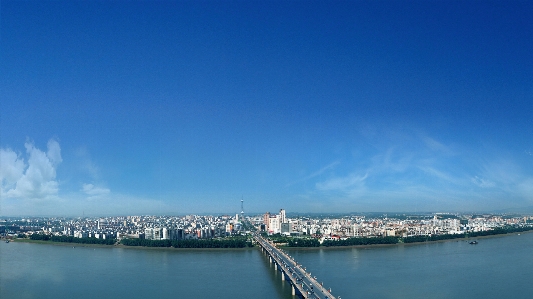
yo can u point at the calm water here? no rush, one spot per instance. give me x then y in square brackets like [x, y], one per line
[499, 267]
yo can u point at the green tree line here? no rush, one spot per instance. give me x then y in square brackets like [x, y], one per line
[70, 239]
[360, 241]
[301, 242]
[234, 242]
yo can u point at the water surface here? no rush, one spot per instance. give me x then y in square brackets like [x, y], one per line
[498, 267]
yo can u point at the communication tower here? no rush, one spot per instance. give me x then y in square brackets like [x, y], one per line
[242, 208]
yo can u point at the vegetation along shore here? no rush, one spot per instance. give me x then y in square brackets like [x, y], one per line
[244, 242]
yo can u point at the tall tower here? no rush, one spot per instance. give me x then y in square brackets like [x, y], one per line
[242, 208]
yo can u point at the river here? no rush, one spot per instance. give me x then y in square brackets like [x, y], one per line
[497, 267]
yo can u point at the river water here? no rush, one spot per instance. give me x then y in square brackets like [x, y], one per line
[499, 267]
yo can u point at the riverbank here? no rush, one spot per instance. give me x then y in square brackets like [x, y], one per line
[118, 245]
[466, 239]
[62, 243]
[74, 245]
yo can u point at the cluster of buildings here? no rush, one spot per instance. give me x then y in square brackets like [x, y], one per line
[403, 226]
[275, 223]
[144, 227]
[203, 227]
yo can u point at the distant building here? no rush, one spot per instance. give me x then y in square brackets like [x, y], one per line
[285, 228]
[229, 228]
[80, 234]
[266, 218]
[155, 233]
[282, 217]
[274, 224]
[176, 234]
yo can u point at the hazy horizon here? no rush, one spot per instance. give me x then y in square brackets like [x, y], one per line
[520, 211]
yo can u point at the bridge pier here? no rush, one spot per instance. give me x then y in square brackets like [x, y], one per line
[297, 280]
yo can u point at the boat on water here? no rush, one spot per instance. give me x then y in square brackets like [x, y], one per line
[7, 241]
[473, 242]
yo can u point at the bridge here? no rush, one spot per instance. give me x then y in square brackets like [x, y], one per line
[303, 284]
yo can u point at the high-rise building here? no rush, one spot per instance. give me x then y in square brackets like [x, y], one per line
[282, 216]
[176, 234]
[274, 224]
[266, 218]
[156, 233]
[149, 233]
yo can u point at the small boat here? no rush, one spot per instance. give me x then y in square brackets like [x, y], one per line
[473, 242]
[7, 241]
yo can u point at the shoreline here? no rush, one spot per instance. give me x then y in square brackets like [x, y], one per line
[66, 244]
[61, 243]
[468, 239]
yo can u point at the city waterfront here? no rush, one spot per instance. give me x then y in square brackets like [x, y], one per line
[496, 267]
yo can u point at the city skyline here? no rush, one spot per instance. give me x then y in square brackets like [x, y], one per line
[187, 107]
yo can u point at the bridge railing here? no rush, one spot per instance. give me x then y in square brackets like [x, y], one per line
[270, 247]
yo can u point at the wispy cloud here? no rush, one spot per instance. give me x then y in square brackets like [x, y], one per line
[436, 146]
[342, 183]
[442, 176]
[94, 191]
[86, 163]
[483, 183]
[391, 161]
[315, 174]
[423, 172]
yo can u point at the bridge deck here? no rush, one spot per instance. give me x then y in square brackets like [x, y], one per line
[305, 283]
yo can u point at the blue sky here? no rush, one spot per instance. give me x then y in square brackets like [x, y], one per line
[175, 107]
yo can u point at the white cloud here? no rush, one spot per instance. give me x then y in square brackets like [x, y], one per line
[38, 180]
[11, 168]
[54, 152]
[94, 191]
